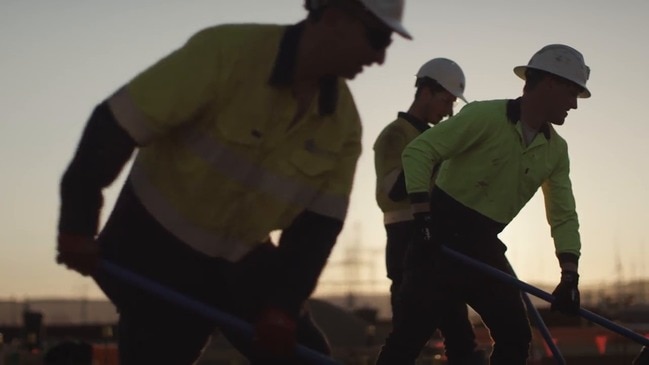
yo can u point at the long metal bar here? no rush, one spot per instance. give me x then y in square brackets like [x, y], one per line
[219, 317]
[593, 317]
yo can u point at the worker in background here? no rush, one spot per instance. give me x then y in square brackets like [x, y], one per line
[495, 154]
[245, 129]
[439, 83]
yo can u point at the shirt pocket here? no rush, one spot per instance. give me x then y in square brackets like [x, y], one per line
[245, 128]
[537, 169]
[246, 135]
[313, 164]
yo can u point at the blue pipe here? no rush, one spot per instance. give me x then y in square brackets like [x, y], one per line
[221, 318]
[536, 317]
[593, 317]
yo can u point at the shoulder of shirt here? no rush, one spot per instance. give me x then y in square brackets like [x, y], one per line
[486, 105]
[402, 124]
[239, 33]
[393, 130]
[556, 137]
[242, 28]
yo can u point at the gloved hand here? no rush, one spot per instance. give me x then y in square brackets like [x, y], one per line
[566, 294]
[275, 334]
[78, 252]
[421, 252]
[423, 236]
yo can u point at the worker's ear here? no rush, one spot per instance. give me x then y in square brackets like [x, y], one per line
[425, 93]
[547, 84]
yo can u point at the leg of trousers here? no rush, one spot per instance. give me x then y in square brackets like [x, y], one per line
[152, 330]
[156, 335]
[459, 337]
[416, 316]
[502, 310]
[426, 298]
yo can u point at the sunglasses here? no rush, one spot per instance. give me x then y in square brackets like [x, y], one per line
[378, 39]
[452, 101]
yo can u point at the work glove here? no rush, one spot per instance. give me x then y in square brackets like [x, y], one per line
[78, 252]
[566, 294]
[423, 237]
[275, 334]
[423, 250]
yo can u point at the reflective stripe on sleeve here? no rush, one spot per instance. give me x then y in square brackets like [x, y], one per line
[397, 216]
[130, 117]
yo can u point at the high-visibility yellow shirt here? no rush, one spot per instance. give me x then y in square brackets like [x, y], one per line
[387, 163]
[221, 164]
[488, 167]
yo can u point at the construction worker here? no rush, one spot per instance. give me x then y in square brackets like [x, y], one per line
[246, 129]
[439, 82]
[496, 154]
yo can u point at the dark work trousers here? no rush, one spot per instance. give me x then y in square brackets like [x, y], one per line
[434, 284]
[459, 338]
[152, 330]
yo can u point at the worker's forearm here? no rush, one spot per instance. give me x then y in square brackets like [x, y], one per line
[102, 152]
[304, 249]
[418, 160]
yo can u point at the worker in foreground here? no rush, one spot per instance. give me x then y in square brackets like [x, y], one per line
[245, 129]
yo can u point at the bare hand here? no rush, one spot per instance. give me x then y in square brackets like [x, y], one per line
[79, 253]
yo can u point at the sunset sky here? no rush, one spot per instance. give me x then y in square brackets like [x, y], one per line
[58, 59]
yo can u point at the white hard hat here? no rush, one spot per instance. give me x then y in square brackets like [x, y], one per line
[389, 12]
[447, 73]
[560, 60]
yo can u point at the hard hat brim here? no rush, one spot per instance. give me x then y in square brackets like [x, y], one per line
[392, 23]
[397, 27]
[520, 72]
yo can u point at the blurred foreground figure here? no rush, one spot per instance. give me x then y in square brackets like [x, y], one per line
[244, 130]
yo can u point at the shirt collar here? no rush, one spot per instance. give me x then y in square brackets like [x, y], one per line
[514, 115]
[284, 68]
[419, 124]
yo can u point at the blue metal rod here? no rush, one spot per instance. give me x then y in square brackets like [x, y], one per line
[536, 317]
[221, 318]
[593, 317]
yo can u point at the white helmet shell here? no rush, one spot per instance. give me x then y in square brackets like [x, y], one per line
[390, 12]
[560, 60]
[447, 73]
